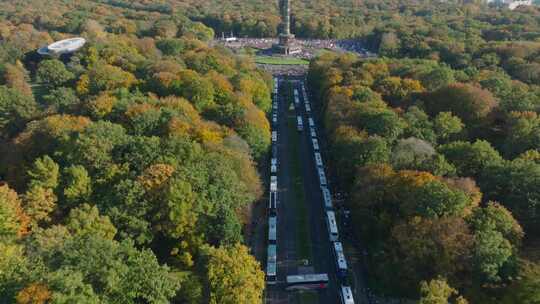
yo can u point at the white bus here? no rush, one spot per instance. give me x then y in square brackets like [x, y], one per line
[345, 295]
[272, 229]
[299, 123]
[273, 183]
[327, 198]
[322, 176]
[274, 136]
[311, 122]
[272, 203]
[315, 144]
[332, 226]
[271, 264]
[307, 281]
[341, 262]
[318, 159]
[313, 133]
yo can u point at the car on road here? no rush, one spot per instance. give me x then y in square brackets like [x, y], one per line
[299, 124]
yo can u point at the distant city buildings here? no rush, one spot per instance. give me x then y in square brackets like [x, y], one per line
[510, 4]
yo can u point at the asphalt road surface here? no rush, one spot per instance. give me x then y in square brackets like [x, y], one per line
[288, 258]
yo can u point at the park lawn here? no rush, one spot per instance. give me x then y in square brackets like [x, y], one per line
[280, 60]
[302, 224]
[308, 297]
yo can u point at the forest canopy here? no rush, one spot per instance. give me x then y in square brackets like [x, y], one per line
[128, 169]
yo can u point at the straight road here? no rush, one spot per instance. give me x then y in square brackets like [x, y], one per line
[323, 259]
[353, 252]
[290, 232]
[286, 227]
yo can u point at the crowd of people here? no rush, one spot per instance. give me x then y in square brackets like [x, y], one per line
[309, 46]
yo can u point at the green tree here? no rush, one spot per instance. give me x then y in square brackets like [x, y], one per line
[492, 252]
[437, 78]
[39, 203]
[436, 199]
[13, 269]
[526, 289]
[77, 184]
[16, 109]
[514, 184]
[471, 159]
[380, 121]
[107, 270]
[69, 286]
[85, 220]
[93, 146]
[61, 100]
[496, 217]
[53, 73]
[418, 125]
[446, 125]
[195, 88]
[437, 291]
[233, 276]
[104, 77]
[44, 173]
[523, 132]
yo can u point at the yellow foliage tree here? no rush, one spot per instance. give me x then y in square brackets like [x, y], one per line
[35, 293]
[234, 276]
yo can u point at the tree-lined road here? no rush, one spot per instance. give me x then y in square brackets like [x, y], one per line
[300, 203]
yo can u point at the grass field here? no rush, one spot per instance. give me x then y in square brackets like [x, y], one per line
[280, 60]
[308, 297]
[297, 187]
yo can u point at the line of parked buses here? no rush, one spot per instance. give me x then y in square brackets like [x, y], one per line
[306, 281]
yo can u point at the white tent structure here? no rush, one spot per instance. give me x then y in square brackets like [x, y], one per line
[61, 47]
